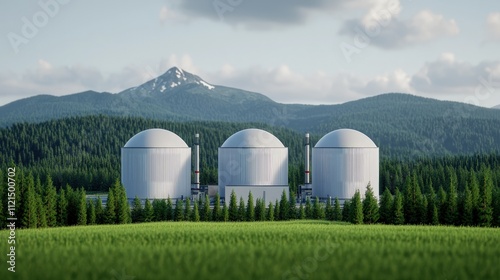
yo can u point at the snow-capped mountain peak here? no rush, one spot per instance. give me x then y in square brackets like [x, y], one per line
[176, 77]
[173, 78]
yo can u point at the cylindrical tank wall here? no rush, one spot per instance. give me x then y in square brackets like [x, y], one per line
[156, 172]
[339, 172]
[252, 167]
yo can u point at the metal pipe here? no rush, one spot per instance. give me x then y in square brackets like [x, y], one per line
[306, 158]
[197, 160]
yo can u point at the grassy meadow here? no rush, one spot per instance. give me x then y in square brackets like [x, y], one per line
[256, 250]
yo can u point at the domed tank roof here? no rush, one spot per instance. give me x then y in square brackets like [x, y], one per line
[252, 138]
[156, 138]
[345, 138]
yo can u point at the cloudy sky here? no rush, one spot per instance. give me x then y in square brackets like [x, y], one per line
[294, 51]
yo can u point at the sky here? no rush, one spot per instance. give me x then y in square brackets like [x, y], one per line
[294, 51]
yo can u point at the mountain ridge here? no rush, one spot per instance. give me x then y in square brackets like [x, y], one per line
[386, 118]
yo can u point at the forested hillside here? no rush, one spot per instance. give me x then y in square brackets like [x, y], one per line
[85, 151]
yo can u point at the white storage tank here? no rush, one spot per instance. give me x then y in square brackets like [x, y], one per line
[343, 161]
[156, 163]
[253, 160]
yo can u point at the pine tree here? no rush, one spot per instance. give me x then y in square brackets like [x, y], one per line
[284, 207]
[233, 207]
[250, 215]
[442, 205]
[346, 214]
[122, 208]
[386, 203]
[258, 210]
[225, 212]
[277, 210]
[431, 207]
[260, 214]
[370, 207]
[398, 215]
[309, 210]
[169, 208]
[451, 203]
[474, 187]
[195, 215]
[423, 210]
[178, 210]
[485, 200]
[137, 215]
[38, 186]
[496, 208]
[187, 209]
[356, 209]
[302, 212]
[263, 214]
[292, 211]
[241, 210]
[29, 210]
[81, 219]
[467, 215]
[99, 211]
[156, 210]
[110, 211]
[148, 211]
[50, 202]
[41, 215]
[216, 212]
[329, 210]
[318, 210]
[337, 212]
[91, 216]
[73, 198]
[270, 212]
[207, 215]
[435, 215]
[412, 200]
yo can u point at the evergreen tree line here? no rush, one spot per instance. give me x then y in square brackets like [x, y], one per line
[85, 151]
[40, 205]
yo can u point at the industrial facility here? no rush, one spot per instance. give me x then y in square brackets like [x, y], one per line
[253, 160]
[343, 161]
[156, 164]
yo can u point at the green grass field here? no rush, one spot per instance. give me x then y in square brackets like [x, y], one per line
[258, 250]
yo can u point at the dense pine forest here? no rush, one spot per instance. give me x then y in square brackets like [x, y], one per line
[58, 162]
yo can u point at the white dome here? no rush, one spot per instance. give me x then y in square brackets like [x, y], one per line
[345, 138]
[156, 138]
[252, 138]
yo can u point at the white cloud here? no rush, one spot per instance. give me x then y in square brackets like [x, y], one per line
[167, 14]
[397, 81]
[264, 14]
[46, 78]
[451, 78]
[282, 84]
[185, 62]
[385, 30]
[493, 26]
